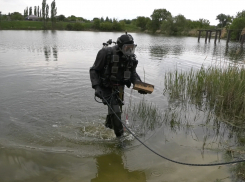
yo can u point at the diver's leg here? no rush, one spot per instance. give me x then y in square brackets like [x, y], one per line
[117, 124]
[115, 116]
[107, 95]
[108, 123]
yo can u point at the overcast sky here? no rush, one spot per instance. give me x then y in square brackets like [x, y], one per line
[130, 9]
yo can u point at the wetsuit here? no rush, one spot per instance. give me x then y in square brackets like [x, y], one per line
[111, 77]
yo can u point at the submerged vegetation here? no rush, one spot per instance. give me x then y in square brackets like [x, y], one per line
[219, 89]
[148, 114]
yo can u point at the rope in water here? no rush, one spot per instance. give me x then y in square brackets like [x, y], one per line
[177, 162]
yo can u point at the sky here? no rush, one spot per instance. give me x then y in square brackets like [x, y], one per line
[130, 9]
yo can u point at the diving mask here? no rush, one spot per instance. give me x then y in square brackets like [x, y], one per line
[128, 49]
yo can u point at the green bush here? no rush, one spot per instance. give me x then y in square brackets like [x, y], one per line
[78, 26]
[96, 24]
[106, 26]
[117, 26]
[237, 24]
[69, 27]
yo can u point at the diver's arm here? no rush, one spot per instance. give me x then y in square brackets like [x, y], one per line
[96, 69]
[135, 77]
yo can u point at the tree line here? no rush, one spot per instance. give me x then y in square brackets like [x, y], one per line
[41, 12]
[161, 20]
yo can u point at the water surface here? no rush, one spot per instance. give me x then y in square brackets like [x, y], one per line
[51, 129]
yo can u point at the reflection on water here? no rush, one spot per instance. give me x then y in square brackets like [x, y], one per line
[30, 165]
[159, 52]
[112, 168]
[235, 53]
[55, 53]
[47, 52]
[217, 135]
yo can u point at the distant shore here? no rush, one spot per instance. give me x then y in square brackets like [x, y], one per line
[75, 26]
[39, 25]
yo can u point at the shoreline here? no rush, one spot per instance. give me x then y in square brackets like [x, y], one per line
[85, 26]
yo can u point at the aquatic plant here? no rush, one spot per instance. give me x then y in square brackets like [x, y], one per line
[217, 88]
[144, 115]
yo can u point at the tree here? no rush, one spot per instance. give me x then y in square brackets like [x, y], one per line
[96, 23]
[35, 10]
[223, 20]
[16, 16]
[204, 23]
[43, 9]
[38, 11]
[30, 11]
[167, 26]
[116, 25]
[46, 12]
[26, 12]
[180, 24]
[158, 16]
[72, 18]
[237, 24]
[126, 21]
[53, 13]
[142, 21]
[61, 18]
[240, 14]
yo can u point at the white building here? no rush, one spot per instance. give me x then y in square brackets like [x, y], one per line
[32, 18]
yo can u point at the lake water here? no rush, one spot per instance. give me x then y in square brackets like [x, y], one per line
[51, 128]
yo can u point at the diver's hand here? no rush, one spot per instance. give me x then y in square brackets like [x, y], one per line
[142, 92]
[98, 92]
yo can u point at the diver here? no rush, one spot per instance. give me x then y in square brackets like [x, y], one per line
[115, 67]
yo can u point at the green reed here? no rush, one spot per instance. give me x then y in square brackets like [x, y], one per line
[147, 113]
[217, 88]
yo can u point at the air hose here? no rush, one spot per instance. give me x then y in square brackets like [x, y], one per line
[177, 162]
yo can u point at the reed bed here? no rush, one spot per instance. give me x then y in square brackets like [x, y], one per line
[216, 88]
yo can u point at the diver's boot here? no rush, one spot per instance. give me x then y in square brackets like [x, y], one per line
[108, 123]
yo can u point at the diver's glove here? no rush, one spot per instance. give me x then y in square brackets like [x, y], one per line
[142, 92]
[98, 92]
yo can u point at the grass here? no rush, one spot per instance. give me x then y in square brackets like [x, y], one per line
[30, 25]
[220, 89]
[21, 25]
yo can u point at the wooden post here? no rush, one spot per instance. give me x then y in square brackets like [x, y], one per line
[239, 37]
[242, 36]
[215, 39]
[243, 39]
[228, 36]
[210, 33]
[206, 37]
[226, 49]
[219, 35]
[199, 35]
